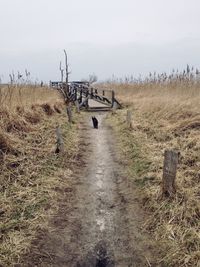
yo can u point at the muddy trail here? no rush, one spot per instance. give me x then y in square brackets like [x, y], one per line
[99, 220]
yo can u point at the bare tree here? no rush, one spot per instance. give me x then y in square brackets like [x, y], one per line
[66, 67]
[61, 72]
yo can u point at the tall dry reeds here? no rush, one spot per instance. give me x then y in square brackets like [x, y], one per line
[28, 118]
[166, 115]
[12, 96]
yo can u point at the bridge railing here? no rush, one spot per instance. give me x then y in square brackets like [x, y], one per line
[83, 91]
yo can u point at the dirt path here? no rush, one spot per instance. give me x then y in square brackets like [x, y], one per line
[98, 223]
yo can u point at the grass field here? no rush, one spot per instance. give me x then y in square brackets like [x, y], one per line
[165, 116]
[30, 171]
[20, 95]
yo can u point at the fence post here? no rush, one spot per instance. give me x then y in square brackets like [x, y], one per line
[75, 92]
[128, 119]
[59, 141]
[169, 173]
[77, 106]
[69, 114]
[91, 93]
[87, 103]
[81, 95]
[114, 108]
[113, 98]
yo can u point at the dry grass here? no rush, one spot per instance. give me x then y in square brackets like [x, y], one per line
[25, 96]
[166, 116]
[30, 171]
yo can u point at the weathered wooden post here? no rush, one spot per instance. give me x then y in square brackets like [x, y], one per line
[81, 95]
[69, 114]
[59, 141]
[77, 106]
[113, 98]
[75, 93]
[169, 173]
[87, 102]
[129, 119]
[91, 90]
[114, 108]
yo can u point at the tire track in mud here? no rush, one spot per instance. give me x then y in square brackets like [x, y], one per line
[98, 223]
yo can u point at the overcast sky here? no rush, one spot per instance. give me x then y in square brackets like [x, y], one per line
[105, 37]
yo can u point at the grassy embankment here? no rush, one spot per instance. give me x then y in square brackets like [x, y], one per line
[30, 172]
[165, 117]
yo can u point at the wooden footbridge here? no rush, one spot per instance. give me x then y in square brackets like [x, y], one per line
[81, 92]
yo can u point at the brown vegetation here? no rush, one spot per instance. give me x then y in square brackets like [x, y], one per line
[28, 163]
[166, 116]
[20, 96]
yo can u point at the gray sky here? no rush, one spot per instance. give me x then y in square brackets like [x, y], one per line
[102, 36]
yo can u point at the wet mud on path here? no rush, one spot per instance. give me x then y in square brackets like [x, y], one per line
[99, 220]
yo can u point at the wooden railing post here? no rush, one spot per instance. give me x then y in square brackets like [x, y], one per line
[81, 95]
[115, 106]
[113, 98]
[91, 90]
[169, 173]
[86, 102]
[77, 106]
[129, 119]
[75, 92]
[69, 114]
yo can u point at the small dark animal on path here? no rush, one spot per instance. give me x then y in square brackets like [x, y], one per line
[95, 122]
